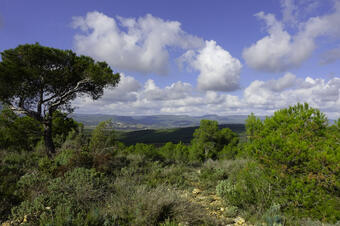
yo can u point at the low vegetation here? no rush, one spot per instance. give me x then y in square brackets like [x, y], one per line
[286, 172]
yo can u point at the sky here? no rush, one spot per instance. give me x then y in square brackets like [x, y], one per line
[193, 57]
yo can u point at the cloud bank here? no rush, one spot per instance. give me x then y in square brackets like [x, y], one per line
[261, 97]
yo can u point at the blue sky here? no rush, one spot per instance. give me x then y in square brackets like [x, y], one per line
[193, 57]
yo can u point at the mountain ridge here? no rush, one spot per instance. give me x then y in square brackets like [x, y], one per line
[155, 121]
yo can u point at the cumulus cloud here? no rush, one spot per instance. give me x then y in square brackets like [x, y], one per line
[219, 71]
[318, 92]
[174, 91]
[134, 44]
[260, 97]
[279, 50]
[280, 84]
[126, 91]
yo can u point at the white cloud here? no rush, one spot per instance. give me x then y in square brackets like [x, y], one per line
[280, 51]
[295, 10]
[126, 91]
[175, 91]
[219, 71]
[289, 11]
[287, 81]
[131, 44]
[260, 97]
[320, 93]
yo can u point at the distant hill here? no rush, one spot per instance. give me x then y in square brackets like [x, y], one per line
[162, 136]
[155, 121]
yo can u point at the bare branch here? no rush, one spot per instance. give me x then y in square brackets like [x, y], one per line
[20, 110]
[76, 89]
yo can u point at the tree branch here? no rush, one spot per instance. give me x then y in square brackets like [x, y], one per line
[20, 110]
[76, 89]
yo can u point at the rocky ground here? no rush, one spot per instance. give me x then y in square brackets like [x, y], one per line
[214, 205]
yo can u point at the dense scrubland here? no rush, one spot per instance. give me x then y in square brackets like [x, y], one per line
[284, 172]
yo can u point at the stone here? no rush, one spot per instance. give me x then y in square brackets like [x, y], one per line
[196, 191]
[239, 221]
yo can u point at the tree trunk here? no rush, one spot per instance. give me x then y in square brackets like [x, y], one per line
[50, 149]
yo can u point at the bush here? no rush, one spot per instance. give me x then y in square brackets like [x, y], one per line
[176, 152]
[147, 150]
[62, 126]
[76, 192]
[139, 205]
[248, 189]
[301, 151]
[213, 171]
[209, 141]
[102, 137]
[161, 174]
[18, 133]
[12, 166]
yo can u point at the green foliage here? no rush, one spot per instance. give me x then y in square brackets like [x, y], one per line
[37, 81]
[273, 216]
[74, 193]
[162, 174]
[146, 150]
[18, 133]
[102, 137]
[249, 188]
[133, 204]
[209, 141]
[12, 166]
[62, 126]
[291, 173]
[214, 171]
[177, 152]
[76, 140]
[302, 153]
[24, 133]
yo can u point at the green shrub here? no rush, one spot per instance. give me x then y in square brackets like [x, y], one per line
[139, 205]
[18, 133]
[302, 152]
[73, 194]
[102, 137]
[147, 150]
[161, 174]
[62, 126]
[213, 171]
[209, 141]
[273, 216]
[76, 140]
[210, 177]
[32, 184]
[12, 166]
[176, 152]
[248, 189]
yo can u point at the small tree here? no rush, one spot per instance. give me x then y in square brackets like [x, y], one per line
[209, 140]
[37, 81]
[300, 151]
[102, 136]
